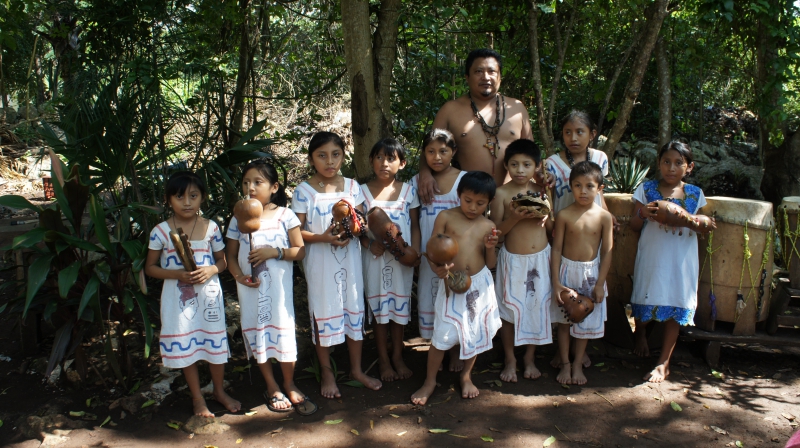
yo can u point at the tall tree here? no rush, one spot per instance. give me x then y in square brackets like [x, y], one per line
[369, 60]
[664, 93]
[656, 14]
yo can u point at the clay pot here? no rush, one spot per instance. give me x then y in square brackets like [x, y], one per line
[248, 214]
[387, 232]
[441, 249]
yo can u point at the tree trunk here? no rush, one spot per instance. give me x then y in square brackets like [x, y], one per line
[385, 52]
[367, 115]
[781, 163]
[3, 96]
[614, 78]
[545, 134]
[247, 50]
[652, 29]
[664, 93]
[561, 45]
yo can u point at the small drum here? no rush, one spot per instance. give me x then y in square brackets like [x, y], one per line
[626, 242]
[790, 243]
[741, 286]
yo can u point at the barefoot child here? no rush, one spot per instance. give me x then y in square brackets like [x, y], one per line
[670, 296]
[469, 319]
[387, 282]
[332, 262]
[192, 309]
[523, 264]
[266, 297]
[581, 257]
[438, 147]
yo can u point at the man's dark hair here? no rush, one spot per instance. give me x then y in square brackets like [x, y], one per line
[525, 147]
[588, 169]
[477, 182]
[482, 53]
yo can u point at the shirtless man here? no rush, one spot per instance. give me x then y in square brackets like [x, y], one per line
[480, 148]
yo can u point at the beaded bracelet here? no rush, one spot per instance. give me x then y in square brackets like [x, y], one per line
[639, 214]
[280, 253]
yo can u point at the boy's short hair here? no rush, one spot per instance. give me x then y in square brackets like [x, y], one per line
[588, 169]
[477, 182]
[525, 147]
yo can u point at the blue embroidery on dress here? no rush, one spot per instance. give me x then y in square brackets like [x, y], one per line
[691, 195]
[663, 313]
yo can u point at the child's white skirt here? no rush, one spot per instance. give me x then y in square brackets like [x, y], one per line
[470, 319]
[582, 276]
[523, 295]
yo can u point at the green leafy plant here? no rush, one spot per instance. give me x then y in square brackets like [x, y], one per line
[625, 175]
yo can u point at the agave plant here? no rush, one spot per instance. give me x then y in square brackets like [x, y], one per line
[625, 175]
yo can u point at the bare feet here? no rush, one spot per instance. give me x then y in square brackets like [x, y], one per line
[456, 364]
[370, 382]
[328, 387]
[509, 373]
[531, 372]
[659, 374]
[565, 375]
[556, 361]
[577, 374]
[387, 373]
[293, 393]
[640, 347]
[586, 361]
[224, 399]
[403, 372]
[200, 408]
[468, 390]
[422, 394]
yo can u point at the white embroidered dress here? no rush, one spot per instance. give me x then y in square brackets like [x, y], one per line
[428, 282]
[192, 315]
[335, 288]
[268, 311]
[388, 283]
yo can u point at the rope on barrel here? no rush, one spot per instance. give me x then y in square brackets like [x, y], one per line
[741, 301]
[789, 239]
[712, 299]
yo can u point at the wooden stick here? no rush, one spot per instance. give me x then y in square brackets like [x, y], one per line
[183, 249]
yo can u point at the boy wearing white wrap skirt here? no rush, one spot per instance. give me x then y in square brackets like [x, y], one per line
[469, 319]
[523, 283]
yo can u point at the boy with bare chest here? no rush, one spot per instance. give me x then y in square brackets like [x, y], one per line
[468, 319]
[523, 265]
[581, 258]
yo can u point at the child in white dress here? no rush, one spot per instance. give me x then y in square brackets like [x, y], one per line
[667, 264]
[192, 308]
[438, 148]
[387, 282]
[333, 262]
[265, 296]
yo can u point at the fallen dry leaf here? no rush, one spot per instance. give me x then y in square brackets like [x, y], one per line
[239, 440]
[371, 424]
[788, 416]
[419, 420]
[493, 429]
[400, 434]
[395, 415]
[718, 429]
[355, 431]
[707, 428]
[570, 399]
[555, 404]
[642, 431]
[392, 408]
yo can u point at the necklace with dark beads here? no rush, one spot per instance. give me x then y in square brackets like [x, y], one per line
[571, 160]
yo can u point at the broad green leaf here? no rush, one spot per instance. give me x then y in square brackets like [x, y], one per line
[334, 422]
[103, 271]
[18, 202]
[88, 293]
[67, 277]
[99, 220]
[61, 341]
[37, 274]
[79, 242]
[29, 239]
[148, 403]
[549, 441]
[438, 431]
[676, 406]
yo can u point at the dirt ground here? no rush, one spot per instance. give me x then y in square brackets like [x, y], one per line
[616, 409]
